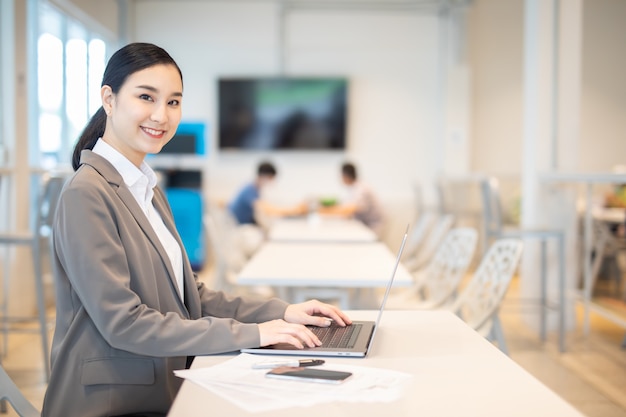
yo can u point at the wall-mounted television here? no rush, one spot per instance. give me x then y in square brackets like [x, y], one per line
[298, 113]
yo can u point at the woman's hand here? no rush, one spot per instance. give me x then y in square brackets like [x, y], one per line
[279, 331]
[292, 329]
[316, 313]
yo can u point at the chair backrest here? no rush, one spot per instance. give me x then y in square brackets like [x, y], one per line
[434, 238]
[217, 249]
[440, 281]
[492, 207]
[11, 393]
[481, 297]
[230, 244]
[419, 199]
[419, 232]
[47, 200]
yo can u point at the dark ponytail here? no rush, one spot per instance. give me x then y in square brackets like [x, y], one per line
[90, 135]
[126, 61]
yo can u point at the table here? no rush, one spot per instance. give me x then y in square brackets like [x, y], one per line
[321, 229]
[456, 372]
[613, 215]
[333, 268]
[322, 270]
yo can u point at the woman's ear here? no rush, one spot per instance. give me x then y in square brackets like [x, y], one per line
[106, 93]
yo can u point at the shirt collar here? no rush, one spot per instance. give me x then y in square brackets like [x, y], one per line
[129, 172]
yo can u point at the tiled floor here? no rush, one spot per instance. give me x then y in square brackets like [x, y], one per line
[591, 375]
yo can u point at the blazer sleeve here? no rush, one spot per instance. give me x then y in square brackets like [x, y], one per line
[92, 256]
[244, 309]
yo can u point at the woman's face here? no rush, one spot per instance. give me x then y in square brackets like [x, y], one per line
[144, 114]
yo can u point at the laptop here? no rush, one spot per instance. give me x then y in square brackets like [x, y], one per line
[354, 340]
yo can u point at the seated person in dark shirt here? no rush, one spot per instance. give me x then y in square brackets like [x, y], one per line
[248, 203]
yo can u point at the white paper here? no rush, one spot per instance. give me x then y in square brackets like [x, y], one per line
[236, 381]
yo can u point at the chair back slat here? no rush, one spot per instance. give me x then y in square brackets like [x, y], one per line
[442, 277]
[481, 298]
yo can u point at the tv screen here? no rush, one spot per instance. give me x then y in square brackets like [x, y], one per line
[282, 113]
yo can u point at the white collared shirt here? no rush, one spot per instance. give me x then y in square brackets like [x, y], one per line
[140, 182]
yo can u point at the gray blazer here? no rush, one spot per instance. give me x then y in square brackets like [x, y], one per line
[121, 327]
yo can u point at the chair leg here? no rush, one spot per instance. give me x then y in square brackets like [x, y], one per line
[41, 307]
[561, 242]
[3, 402]
[544, 292]
[498, 335]
[5, 304]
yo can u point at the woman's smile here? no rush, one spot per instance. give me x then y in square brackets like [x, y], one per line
[157, 134]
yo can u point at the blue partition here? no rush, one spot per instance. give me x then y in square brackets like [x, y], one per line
[187, 209]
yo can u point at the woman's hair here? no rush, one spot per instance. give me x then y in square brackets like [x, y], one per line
[125, 62]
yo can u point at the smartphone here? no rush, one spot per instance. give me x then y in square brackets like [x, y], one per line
[308, 374]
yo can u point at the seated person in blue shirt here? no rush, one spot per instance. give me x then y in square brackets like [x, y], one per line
[248, 201]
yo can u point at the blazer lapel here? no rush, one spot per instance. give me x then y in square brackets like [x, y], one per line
[112, 176]
[144, 224]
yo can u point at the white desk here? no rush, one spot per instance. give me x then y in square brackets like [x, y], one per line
[321, 229]
[609, 215]
[455, 372]
[324, 270]
[348, 265]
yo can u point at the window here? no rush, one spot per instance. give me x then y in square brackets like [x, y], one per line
[70, 63]
[3, 60]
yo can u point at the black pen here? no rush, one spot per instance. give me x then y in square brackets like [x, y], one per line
[287, 362]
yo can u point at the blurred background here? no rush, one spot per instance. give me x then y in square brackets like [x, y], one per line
[426, 97]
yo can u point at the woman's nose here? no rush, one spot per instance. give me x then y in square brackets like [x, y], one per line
[159, 113]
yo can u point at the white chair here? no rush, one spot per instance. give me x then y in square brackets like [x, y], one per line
[434, 238]
[436, 286]
[479, 302]
[605, 248]
[217, 254]
[493, 228]
[419, 231]
[230, 246]
[46, 202]
[11, 393]
[227, 257]
[438, 282]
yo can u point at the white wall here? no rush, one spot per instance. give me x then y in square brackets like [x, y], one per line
[99, 16]
[603, 122]
[495, 31]
[496, 53]
[390, 58]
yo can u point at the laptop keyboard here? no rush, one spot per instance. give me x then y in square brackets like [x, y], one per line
[337, 336]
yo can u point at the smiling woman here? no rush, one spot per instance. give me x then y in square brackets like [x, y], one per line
[144, 99]
[144, 114]
[129, 308]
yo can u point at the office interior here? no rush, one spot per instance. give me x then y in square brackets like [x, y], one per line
[441, 93]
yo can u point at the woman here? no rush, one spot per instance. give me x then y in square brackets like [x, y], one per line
[129, 310]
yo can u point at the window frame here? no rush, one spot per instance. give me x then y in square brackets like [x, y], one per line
[62, 155]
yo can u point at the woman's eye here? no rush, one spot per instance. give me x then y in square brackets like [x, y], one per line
[145, 97]
[174, 103]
